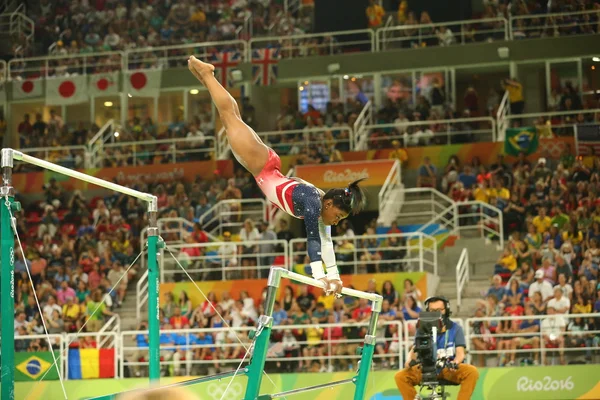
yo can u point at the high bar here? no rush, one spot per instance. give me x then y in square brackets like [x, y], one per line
[314, 282]
[17, 155]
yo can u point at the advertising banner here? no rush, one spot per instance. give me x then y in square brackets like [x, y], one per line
[328, 176]
[573, 382]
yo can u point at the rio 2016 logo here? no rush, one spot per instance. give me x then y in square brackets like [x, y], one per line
[546, 384]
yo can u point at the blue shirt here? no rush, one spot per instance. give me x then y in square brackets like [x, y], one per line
[468, 180]
[528, 323]
[279, 316]
[447, 344]
[498, 292]
[405, 314]
[141, 340]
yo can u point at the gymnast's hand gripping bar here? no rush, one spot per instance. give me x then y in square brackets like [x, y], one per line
[278, 273]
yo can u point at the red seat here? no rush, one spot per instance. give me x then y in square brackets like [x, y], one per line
[527, 347]
[551, 345]
[34, 218]
[69, 229]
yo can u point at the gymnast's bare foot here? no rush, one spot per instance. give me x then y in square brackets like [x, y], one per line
[200, 69]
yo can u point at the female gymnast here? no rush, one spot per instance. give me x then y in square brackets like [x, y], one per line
[294, 196]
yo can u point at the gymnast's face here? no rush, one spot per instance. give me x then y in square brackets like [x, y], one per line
[331, 214]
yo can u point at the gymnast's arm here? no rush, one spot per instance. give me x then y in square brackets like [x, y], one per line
[327, 252]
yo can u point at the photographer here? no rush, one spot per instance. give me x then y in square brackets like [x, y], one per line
[450, 354]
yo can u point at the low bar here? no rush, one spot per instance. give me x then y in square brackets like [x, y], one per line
[314, 282]
[82, 177]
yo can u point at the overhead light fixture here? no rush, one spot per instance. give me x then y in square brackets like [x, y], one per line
[116, 134]
[301, 88]
[596, 59]
[353, 79]
[593, 67]
[129, 95]
[306, 82]
[346, 77]
[108, 104]
[194, 91]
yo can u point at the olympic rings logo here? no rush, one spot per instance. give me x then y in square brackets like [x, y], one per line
[12, 256]
[216, 390]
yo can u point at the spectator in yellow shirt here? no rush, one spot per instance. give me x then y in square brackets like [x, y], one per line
[542, 222]
[507, 263]
[482, 193]
[398, 153]
[515, 95]
[402, 12]
[375, 14]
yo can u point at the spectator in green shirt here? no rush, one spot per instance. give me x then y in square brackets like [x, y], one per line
[560, 218]
[96, 310]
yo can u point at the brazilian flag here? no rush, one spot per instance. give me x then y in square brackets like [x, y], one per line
[32, 366]
[519, 140]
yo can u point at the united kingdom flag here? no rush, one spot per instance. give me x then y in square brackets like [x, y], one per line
[224, 62]
[265, 64]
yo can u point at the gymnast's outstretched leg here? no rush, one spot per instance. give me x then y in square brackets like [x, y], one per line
[247, 147]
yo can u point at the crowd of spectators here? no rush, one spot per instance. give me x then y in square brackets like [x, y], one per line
[297, 349]
[549, 265]
[84, 27]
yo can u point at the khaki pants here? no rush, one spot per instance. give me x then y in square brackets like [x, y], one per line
[94, 325]
[466, 376]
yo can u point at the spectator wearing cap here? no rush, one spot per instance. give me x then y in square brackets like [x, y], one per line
[228, 253]
[542, 286]
[541, 172]
[497, 288]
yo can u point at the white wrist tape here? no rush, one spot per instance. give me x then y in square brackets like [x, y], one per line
[333, 273]
[317, 270]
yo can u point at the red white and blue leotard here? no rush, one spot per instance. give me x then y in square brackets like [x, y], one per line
[300, 200]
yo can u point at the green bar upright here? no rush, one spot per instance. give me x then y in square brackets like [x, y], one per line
[7, 277]
[153, 309]
[8, 301]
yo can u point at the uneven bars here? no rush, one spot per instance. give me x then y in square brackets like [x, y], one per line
[281, 272]
[17, 155]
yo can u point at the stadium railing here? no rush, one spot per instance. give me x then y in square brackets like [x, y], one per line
[176, 55]
[313, 44]
[413, 252]
[16, 22]
[462, 276]
[112, 325]
[548, 340]
[66, 156]
[544, 25]
[334, 350]
[391, 196]
[229, 215]
[296, 140]
[3, 72]
[447, 131]
[434, 34]
[60, 65]
[501, 117]
[361, 135]
[175, 150]
[558, 123]
[446, 217]
[217, 261]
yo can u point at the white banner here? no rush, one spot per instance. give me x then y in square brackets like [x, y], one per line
[66, 90]
[144, 83]
[27, 89]
[104, 84]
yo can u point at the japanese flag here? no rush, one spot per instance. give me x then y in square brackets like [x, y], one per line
[143, 83]
[105, 84]
[27, 89]
[66, 90]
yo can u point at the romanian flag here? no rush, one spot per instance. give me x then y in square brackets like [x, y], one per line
[91, 363]
[31, 366]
